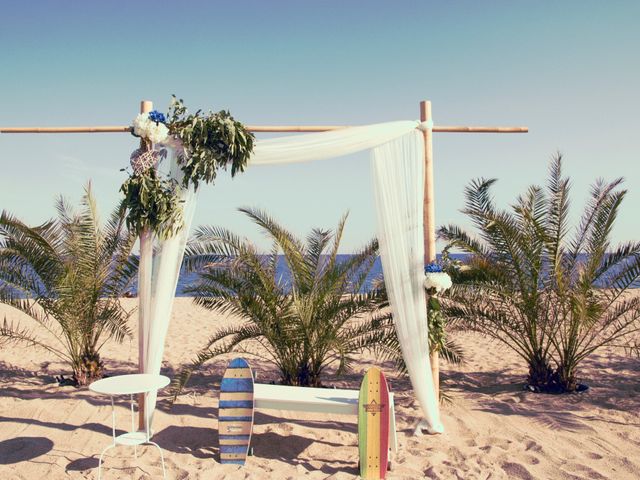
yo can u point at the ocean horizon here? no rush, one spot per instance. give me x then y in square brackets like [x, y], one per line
[188, 278]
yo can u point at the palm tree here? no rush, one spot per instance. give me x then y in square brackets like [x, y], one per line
[321, 315]
[553, 299]
[67, 275]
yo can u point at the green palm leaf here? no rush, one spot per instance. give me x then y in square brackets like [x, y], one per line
[68, 275]
[319, 318]
[531, 288]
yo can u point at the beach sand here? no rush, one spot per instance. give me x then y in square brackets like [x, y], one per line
[494, 430]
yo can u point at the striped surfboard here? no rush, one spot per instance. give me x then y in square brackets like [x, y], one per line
[373, 425]
[235, 412]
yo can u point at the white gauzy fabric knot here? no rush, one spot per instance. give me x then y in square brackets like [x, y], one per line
[441, 281]
[176, 144]
[424, 126]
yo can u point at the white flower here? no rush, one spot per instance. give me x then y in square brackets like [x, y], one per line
[141, 124]
[440, 281]
[144, 127]
[157, 132]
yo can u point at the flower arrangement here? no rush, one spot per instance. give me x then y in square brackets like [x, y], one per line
[207, 142]
[436, 281]
[151, 127]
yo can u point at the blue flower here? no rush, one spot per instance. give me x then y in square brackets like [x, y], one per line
[433, 268]
[156, 116]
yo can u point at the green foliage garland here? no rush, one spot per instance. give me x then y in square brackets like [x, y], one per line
[211, 141]
[437, 324]
[152, 202]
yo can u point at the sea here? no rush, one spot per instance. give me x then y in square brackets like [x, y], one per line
[283, 274]
[189, 278]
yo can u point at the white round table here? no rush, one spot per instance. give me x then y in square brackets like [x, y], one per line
[130, 385]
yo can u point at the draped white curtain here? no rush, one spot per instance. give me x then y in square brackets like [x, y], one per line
[325, 145]
[164, 258]
[397, 166]
[398, 173]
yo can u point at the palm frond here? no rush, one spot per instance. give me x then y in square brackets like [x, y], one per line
[318, 317]
[538, 292]
[12, 333]
[66, 274]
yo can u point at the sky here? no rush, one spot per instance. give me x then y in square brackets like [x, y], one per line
[568, 70]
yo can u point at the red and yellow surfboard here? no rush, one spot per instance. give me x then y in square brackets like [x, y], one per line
[373, 425]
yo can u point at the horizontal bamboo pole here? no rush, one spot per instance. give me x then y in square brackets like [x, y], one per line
[258, 129]
[457, 129]
[66, 130]
[294, 128]
[437, 128]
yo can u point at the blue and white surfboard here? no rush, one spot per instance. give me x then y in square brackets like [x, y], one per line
[235, 412]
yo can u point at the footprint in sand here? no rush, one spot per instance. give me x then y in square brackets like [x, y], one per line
[517, 471]
[502, 443]
[582, 471]
[533, 446]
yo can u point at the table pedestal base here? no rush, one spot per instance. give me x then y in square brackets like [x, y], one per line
[135, 439]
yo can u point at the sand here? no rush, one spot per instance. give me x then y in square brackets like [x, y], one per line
[494, 430]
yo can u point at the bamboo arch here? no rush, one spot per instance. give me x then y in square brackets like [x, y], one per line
[428, 201]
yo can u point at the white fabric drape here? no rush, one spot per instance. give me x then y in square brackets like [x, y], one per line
[397, 164]
[398, 177]
[325, 145]
[162, 283]
[398, 172]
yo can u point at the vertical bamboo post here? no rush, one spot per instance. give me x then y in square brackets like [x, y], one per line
[429, 220]
[144, 293]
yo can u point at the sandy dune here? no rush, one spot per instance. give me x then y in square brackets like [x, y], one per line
[494, 430]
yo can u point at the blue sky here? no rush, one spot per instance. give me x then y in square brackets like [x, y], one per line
[568, 70]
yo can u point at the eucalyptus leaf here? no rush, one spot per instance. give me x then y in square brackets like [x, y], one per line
[152, 203]
[213, 140]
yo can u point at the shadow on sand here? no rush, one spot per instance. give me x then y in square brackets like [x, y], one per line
[23, 449]
[82, 464]
[202, 442]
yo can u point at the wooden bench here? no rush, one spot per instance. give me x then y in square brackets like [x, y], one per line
[317, 400]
